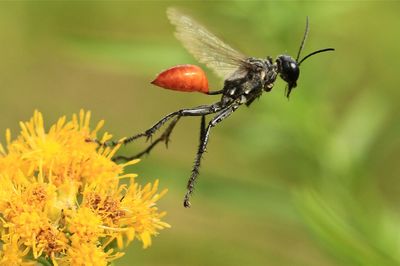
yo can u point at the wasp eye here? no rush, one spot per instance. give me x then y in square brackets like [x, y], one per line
[288, 69]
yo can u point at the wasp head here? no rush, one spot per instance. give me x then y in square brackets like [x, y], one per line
[289, 68]
[289, 71]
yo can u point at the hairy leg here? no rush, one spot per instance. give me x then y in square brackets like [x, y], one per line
[196, 111]
[165, 137]
[204, 136]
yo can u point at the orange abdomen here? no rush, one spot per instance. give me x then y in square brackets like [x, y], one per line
[183, 78]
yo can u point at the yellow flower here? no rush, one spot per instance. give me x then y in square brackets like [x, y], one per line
[142, 216]
[85, 225]
[61, 198]
[50, 241]
[12, 254]
[88, 254]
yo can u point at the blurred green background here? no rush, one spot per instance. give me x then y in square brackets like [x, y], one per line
[309, 181]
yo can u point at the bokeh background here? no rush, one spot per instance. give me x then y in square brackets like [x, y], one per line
[310, 181]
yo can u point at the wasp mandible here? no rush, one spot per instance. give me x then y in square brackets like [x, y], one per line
[245, 79]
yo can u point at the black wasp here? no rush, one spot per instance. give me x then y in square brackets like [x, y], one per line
[245, 79]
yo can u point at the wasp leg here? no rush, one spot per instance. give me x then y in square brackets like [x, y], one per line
[196, 111]
[202, 148]
[202, 127]
[163, 138]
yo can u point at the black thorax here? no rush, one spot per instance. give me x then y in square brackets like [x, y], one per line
[248, 82]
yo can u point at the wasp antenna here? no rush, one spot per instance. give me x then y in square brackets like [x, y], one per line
[316, 52]
[303, 41]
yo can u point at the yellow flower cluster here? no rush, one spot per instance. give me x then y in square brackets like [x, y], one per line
[63, 201]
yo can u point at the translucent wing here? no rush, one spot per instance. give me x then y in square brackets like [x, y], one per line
[205, 46]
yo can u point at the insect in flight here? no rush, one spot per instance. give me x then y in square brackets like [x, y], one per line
[245, 79]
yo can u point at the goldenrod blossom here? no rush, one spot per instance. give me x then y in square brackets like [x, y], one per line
[61, 199]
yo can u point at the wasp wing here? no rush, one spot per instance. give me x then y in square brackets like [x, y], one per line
[205, 46]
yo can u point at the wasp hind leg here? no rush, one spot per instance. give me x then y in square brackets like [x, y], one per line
[196, 111]
[202, 110]
[165, 137]
[204, 136]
